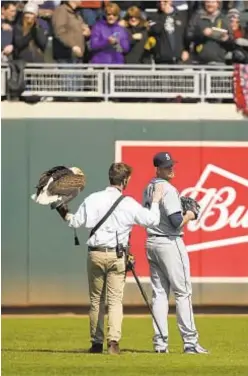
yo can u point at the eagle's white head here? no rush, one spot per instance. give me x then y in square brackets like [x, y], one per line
[76, 171]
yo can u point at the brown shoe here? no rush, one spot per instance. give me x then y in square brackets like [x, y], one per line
[113, 348]
[96, 348]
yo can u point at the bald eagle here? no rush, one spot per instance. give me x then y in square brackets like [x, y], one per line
[58, 186]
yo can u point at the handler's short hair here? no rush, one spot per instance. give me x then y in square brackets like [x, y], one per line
[119, 172]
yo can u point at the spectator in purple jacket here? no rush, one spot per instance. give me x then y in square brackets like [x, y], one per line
[109, 41]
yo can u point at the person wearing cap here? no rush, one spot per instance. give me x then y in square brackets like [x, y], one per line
[239, 54]
[168, 260]
[106, 268]
[233, 16]
[29, 40]
[46, 9]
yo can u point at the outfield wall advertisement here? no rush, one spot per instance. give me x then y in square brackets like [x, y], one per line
[214, 173]
[41, 265]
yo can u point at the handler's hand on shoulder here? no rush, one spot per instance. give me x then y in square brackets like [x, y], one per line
[191, 215]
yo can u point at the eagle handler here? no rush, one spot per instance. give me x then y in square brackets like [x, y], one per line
[110, 217]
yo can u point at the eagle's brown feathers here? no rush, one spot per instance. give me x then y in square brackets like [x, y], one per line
[67, 183]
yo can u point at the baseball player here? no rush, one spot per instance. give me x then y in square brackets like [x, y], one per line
[169, 262]
[106, 249]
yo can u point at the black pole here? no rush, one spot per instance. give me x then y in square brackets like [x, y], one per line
[147, 302]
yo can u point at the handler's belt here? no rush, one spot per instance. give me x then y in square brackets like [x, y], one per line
[101, 249]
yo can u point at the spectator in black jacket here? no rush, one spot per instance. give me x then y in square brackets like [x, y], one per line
[137, 28]
[7, 22]
[168, 27]
[8, 12]
[29, 39]
[209, 33]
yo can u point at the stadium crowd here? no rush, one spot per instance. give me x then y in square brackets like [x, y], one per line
[132, 32]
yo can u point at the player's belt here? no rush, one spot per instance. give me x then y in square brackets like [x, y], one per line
[101, 249]
[162, 236]
[157, 236]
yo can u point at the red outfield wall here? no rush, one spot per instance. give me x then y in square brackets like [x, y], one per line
[216, 174]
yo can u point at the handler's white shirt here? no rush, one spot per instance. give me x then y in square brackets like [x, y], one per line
[128, 213]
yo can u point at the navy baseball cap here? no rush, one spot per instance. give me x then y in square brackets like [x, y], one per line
[163, 160]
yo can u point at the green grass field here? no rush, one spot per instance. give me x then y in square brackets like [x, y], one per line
[58, 346]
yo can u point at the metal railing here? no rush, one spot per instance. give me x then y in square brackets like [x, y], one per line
[126, 81]
[153, 84]
[4, 76]
[60, 82]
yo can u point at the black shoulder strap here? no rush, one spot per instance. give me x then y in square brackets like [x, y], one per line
[105, 217]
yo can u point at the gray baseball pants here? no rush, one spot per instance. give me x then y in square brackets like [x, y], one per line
[170, 269]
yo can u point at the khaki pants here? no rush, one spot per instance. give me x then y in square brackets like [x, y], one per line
[106, 275]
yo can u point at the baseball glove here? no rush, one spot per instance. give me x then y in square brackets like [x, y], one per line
[189, 203]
